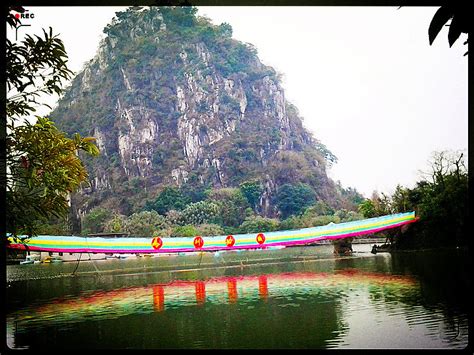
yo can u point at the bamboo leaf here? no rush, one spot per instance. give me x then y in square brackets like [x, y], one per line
[454, 30]
[441, 16]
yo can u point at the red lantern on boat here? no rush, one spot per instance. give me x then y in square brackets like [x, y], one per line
[230, 241]
[198, 242]
[260, 238]
[156, 243]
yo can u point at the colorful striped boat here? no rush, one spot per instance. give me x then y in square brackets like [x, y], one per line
[158, 244]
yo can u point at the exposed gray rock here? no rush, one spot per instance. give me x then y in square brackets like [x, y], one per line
[186, 115]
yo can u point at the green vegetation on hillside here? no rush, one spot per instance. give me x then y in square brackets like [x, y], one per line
[170, 93]
[220, 211]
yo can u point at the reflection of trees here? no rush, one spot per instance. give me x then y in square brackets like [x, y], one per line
[444, 285]
[379, 263]
[442, 289]
[443, 275]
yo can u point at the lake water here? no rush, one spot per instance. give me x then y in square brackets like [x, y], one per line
[290, 298]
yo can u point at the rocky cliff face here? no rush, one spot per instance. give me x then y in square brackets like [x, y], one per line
[172, 99]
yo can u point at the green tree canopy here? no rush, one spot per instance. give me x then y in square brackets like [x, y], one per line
[35, 66]
[187, 230]
[210, 229]
[115, 224]
[441, 201]
[254, 224]
[320, 208]
[42, 166]
[252, 191]
[95, 220]
[144, 224]
[232, 205]
[200, 212]
[367, 208]
[171, 198]
[292, 199]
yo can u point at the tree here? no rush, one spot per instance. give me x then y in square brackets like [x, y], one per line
[320, 208]
[292, 199]
[145, 223]
[349, 198]
[252, 191]
[350, 216]
[323, 220]
[210, 229]
[232, 205]
[43, 169]
[326, 153]
[115, 224]
[460, 22]
[35, 66]
[292, 222]
[443, 208]
[381, 203]
[184, 231]
[440, 201]
[95, 220]
[55, 226]
[225, 29]
[401, 200]
[254, 224]
[200, 212]
[40, 167]
[367, 208]
[193, 192]
[171, 198]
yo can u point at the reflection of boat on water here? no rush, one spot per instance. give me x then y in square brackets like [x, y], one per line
[26, 262]
[384, 248]
[52, 259]
[30, 259]
[158, 245]
[120, 256]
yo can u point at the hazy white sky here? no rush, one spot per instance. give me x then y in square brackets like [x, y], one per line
[365, 79]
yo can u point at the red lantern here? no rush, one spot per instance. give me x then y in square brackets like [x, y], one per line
[230, 241]
[198, 242]
[260, 238]
[156, 243]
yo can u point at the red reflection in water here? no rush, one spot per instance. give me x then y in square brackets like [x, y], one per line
[263, 287]
[178, 290]
[200, 288]
[158, 298]
[232, 290]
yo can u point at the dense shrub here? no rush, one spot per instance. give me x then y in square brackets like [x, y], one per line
[254, 224]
